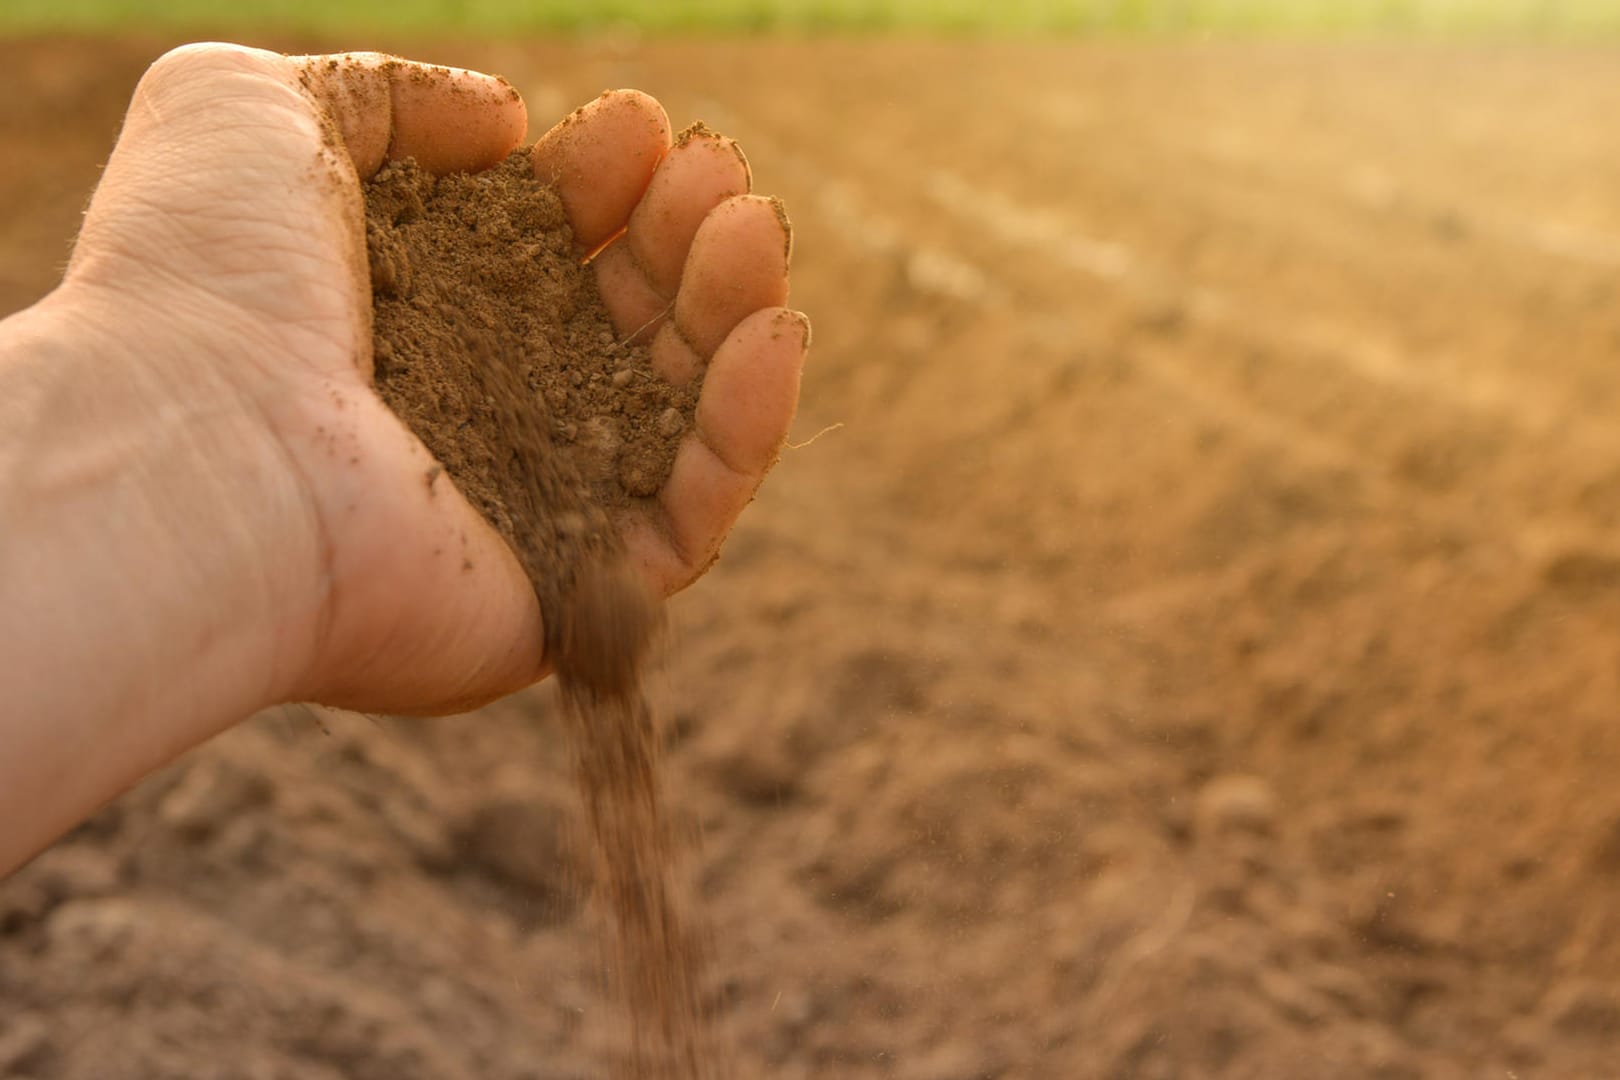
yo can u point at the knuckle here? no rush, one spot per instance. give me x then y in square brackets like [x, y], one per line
[185, 60]
[182, 66]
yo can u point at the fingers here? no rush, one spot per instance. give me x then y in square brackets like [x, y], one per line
[748, 401]
[752, 390]
[703, 170]
[737, 265]
[639, 274]
[388, 109]
[601, 159]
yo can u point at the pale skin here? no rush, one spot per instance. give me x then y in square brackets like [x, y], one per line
[179, 545]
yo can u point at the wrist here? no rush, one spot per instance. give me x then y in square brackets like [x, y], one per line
[149, 603]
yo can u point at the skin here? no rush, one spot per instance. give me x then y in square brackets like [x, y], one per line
[179, 545]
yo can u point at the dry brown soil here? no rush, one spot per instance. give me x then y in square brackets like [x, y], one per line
[493, 346]
[1197, 654]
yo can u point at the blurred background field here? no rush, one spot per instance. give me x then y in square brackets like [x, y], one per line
[1557, 18]
[1196, 653]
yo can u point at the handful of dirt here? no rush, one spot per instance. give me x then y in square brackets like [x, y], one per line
[493, 346]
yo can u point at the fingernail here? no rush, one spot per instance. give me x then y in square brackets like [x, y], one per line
[802, 321]
[783, 220]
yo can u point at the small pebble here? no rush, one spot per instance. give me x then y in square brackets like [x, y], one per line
[671, 423]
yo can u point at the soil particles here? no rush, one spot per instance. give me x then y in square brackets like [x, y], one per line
[1196, 656]
[493, 346]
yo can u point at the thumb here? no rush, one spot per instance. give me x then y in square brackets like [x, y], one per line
[388, 109]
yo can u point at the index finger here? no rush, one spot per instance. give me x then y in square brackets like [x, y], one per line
[600, 158]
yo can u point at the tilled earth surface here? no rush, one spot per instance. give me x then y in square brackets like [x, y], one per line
[1196, 654]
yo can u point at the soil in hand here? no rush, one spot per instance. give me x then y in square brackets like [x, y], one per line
[494, 348]
[492, 345]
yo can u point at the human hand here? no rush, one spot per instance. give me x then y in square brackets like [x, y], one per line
[229, 228]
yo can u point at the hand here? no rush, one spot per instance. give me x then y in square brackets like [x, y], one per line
[228, 227]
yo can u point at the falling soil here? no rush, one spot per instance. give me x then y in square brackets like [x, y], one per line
[493, 346]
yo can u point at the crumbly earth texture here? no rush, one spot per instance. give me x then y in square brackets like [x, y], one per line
[493, 346]
[1196, 656]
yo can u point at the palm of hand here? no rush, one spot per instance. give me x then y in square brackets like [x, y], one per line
[233, 203]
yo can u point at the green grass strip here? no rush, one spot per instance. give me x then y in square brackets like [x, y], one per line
[1535, 18]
